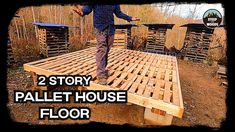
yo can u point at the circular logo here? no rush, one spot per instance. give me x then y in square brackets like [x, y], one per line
[212, 18]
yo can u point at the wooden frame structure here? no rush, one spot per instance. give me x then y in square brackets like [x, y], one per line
[53, 39]
[156, 37]
[197, 42]
[152, 80]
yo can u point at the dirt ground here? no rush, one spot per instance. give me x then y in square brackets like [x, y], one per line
[204, 100]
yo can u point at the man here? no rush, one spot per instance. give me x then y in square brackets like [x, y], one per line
[103, 20]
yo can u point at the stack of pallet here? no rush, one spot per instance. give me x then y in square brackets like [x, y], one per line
[197, 42]
[10, 56]
[156, 37]
[122, 37]
[53, 39]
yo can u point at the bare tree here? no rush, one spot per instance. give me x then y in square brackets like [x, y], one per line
[34, 20]
[17, 29]
[55, 13]
[166, 10]
[24, 29]
[74, 21]
[180, 10]
[50, 14]
[173, 11]
[60, 14]
[193, 12]
[38, 14]
[82, 23]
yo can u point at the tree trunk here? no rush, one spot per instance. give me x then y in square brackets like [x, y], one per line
[24, 28]
[60, 15]
[173, 11]
[34, 20]
[55, 14]
[17, 29]
[38, 13]
[50, 16]
[74, 23]
[82, 20]
[194, 12]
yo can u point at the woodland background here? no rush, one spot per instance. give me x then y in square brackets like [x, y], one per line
[23, 34]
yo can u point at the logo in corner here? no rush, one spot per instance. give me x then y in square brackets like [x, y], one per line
[212, 18]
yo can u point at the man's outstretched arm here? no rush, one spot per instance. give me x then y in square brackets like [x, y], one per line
[121, 15]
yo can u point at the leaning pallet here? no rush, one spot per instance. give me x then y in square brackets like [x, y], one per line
[197, 42]
[10, 55]
[53, 39]
[152, 80]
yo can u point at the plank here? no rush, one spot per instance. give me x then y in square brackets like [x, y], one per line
[135, 84]
[176, 100]
[167, 92]
[128, 83]
[119, 80]
[142, 86]
[156, 92]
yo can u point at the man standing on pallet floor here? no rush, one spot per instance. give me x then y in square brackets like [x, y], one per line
[103, 20]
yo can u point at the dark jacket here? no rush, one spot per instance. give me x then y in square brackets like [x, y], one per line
[103, 16]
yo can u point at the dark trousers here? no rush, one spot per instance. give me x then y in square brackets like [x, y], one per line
[104, 44]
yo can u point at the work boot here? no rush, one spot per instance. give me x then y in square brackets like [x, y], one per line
[102, 80]
[107, 74]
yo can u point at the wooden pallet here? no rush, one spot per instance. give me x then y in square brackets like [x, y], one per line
[10, 55]
[222, 72]
[152, 80]
[156, 39]
[197, 43]
[53, 41]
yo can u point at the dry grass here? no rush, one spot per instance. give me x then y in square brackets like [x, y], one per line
[75, 44]
[25, 50]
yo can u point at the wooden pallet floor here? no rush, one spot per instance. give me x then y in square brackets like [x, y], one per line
[152, 80]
